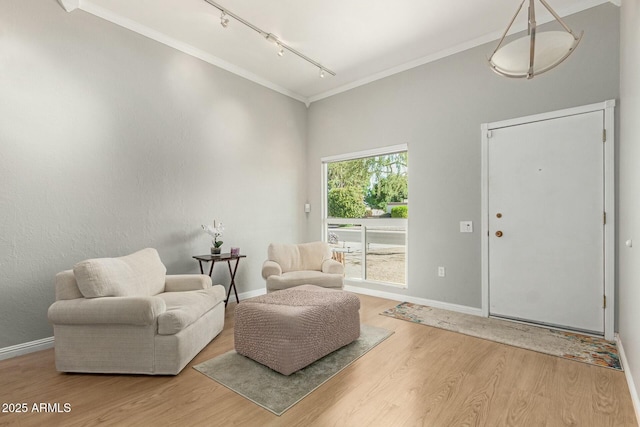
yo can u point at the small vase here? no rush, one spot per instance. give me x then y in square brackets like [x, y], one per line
[215, 251]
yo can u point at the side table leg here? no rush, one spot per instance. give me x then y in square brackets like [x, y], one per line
[226, 301]
[233, 279]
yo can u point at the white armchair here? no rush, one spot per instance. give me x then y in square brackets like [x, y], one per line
[125, 315]
[290, 265]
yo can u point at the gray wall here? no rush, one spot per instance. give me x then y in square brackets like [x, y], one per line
[111, 142]
[629, 213]
[438, 109]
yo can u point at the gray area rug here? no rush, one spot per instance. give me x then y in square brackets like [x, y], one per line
[573, 346]
[276, 392]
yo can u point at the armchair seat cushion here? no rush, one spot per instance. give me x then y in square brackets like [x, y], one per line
[303, 277]
[184, 308]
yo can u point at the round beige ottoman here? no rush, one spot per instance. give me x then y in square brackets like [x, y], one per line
[289, 329]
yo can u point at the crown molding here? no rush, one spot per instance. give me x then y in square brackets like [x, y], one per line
[69, 5]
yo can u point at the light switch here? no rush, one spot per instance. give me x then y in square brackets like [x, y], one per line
[466, 226]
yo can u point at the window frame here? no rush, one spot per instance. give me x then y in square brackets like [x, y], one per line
[364, 222]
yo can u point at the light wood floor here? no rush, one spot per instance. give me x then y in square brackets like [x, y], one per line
[419, 376]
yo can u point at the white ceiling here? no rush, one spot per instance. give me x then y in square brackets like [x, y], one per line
[359, 40]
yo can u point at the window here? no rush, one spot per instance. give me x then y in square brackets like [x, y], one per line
[365, 214]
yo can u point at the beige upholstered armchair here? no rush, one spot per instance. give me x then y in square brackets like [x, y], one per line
[291, 265]
[125, 315]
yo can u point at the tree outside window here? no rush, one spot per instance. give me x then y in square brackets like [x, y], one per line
[364, 187]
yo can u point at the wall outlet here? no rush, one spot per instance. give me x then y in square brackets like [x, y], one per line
[441, 272]
[466, 226]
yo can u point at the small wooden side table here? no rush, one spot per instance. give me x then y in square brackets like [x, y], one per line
[223, 257]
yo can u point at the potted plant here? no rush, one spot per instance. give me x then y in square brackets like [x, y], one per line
[215, 231]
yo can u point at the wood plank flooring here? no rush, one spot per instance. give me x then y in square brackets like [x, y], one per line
[420, 376]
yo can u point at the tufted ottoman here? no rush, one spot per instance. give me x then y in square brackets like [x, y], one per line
[289, 329]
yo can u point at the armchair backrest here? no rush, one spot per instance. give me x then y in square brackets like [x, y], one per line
[303, 256]
[139, 274]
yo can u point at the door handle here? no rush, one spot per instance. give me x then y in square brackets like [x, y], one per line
[498, 233]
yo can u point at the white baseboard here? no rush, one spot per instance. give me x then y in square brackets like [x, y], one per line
[25, 348]
[415, 300]
[248, 294]
[630, 383]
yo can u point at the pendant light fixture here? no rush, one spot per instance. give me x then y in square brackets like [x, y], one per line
[536, 52]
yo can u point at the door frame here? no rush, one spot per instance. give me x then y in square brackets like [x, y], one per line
[608, 108]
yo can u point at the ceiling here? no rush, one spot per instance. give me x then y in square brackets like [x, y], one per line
[361, 41]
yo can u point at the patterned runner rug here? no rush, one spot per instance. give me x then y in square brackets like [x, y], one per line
[582, 348]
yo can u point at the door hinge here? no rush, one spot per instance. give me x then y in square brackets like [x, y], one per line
[604, 218]
[489, 134]
[604, 135]
[604, 301]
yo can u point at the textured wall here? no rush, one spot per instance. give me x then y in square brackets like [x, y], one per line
[629, 214]
[111, 142]
[437, 109]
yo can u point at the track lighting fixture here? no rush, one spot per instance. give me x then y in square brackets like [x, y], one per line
[272, 38]
[224, 21]
[534, 53]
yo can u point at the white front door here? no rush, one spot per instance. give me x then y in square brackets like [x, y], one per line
[546, 222]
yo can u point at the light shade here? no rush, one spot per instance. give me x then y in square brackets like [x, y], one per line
[536, 52]
[550, 49]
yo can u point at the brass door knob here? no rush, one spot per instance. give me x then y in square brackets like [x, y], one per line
[498, 215]
[499, 233]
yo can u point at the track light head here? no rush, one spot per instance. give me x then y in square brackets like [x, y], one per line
[224, 21]
[280, 50]
[272, 38]
[321, 73]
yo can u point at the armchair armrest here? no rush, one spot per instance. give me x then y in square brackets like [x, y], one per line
[66, 286]
[332, 266]
[186, 282]
[107, 310]
[271, 268]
